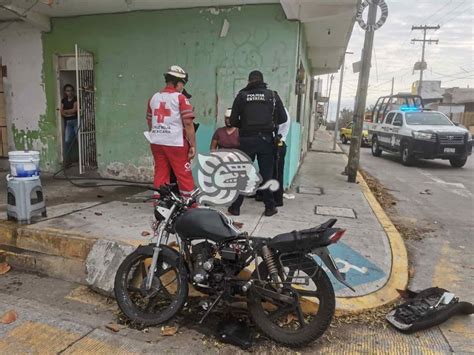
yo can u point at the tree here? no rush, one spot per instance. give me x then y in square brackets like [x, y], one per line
[345, 117]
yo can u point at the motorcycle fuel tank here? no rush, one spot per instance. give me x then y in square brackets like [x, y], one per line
[204, 223]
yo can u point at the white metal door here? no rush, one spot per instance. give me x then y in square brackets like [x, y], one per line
[85, 110]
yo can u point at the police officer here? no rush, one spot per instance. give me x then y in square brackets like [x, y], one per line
[257, 111]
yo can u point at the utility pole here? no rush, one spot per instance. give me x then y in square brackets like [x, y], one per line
[393, 84]
[329, 96]
[362, 87]
[424, 41]
[336, 127]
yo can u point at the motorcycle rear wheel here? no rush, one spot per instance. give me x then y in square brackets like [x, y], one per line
[308, 318]
[166, 297]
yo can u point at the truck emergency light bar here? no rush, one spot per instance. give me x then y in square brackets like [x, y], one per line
[406, 108]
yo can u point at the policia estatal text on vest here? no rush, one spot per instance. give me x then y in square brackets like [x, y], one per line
[256, 112]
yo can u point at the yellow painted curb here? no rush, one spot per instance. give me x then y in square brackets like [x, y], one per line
[398, 278]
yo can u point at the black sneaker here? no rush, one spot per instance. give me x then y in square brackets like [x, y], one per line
[270, 212]
[234, 211]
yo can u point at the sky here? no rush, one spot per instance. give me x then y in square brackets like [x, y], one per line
[451, 61]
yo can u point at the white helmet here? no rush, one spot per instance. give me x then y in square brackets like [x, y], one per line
[177, 72]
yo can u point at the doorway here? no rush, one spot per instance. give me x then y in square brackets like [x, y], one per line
[70, 152]
[78, 70]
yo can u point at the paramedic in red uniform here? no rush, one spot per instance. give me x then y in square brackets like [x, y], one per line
[173, 141]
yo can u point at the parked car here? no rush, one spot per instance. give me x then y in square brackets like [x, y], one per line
[346, 133]
[414, 133]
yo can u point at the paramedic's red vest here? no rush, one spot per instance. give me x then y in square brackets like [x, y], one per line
[167, 110]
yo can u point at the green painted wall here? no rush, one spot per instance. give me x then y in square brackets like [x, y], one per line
[132, 50]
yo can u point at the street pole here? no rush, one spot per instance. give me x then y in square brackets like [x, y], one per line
[329, 96]
[424, 28]
[393, 84]
[336, 127]
[362, 87]
[422, 61]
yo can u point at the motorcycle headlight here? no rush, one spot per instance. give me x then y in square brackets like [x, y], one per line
[422, 135]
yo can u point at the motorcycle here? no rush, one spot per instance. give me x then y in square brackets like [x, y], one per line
[289, 296]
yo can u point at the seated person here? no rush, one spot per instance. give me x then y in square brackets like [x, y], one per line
[225, 137]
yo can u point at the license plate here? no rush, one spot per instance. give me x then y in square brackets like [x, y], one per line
[450, 150]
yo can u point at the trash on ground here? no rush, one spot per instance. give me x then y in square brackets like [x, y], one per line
[4, 268]
[235, 332]
[289, 196]
[426, 309]
[9, 317]
[98, 213]
[114, 327]
[168, 331]
[145, 234]
[426, 192]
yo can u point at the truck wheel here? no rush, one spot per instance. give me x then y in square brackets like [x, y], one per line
[344, 139]
[405, 154]
[376, 151]
[458, 162]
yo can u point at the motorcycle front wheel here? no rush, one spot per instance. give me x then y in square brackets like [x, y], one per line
[311, 312]
[163, 300]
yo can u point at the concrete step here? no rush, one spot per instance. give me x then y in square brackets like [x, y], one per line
[47, 251]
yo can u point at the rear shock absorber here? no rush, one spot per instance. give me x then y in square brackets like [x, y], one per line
[271, 264]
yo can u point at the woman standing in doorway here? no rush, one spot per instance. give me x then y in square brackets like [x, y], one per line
[69, 114]
[225, 137]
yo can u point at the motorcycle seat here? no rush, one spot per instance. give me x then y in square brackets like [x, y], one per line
[303, 239]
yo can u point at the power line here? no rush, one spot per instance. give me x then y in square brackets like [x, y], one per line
[437, 11]
[452, 74]
[450, 12]
[464, 78]
[444, 22]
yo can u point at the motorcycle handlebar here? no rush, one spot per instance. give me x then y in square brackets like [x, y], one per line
[167, 190]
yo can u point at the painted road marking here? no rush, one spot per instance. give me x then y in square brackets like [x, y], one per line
[457, 187]
[358, 269]
[347, 267]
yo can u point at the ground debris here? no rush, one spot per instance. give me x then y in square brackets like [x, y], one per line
[381, 193]
[409, 231]
[114, 327]
[4, 268]
[168, 330]
[8, 317]
[145, 234]
[98, 213]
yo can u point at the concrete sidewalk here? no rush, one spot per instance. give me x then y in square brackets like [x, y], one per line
[370, 254]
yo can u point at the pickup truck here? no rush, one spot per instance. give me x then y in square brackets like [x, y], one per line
[416, 133]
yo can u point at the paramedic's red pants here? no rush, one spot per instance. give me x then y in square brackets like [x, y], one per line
[176, 158]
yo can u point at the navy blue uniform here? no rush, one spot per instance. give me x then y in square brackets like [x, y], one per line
[256, 111]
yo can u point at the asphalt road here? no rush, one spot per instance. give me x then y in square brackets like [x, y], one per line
[437, 201]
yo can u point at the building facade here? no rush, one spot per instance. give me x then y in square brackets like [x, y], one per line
[127, 54]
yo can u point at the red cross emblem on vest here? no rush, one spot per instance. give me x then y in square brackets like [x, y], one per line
[161, 112]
